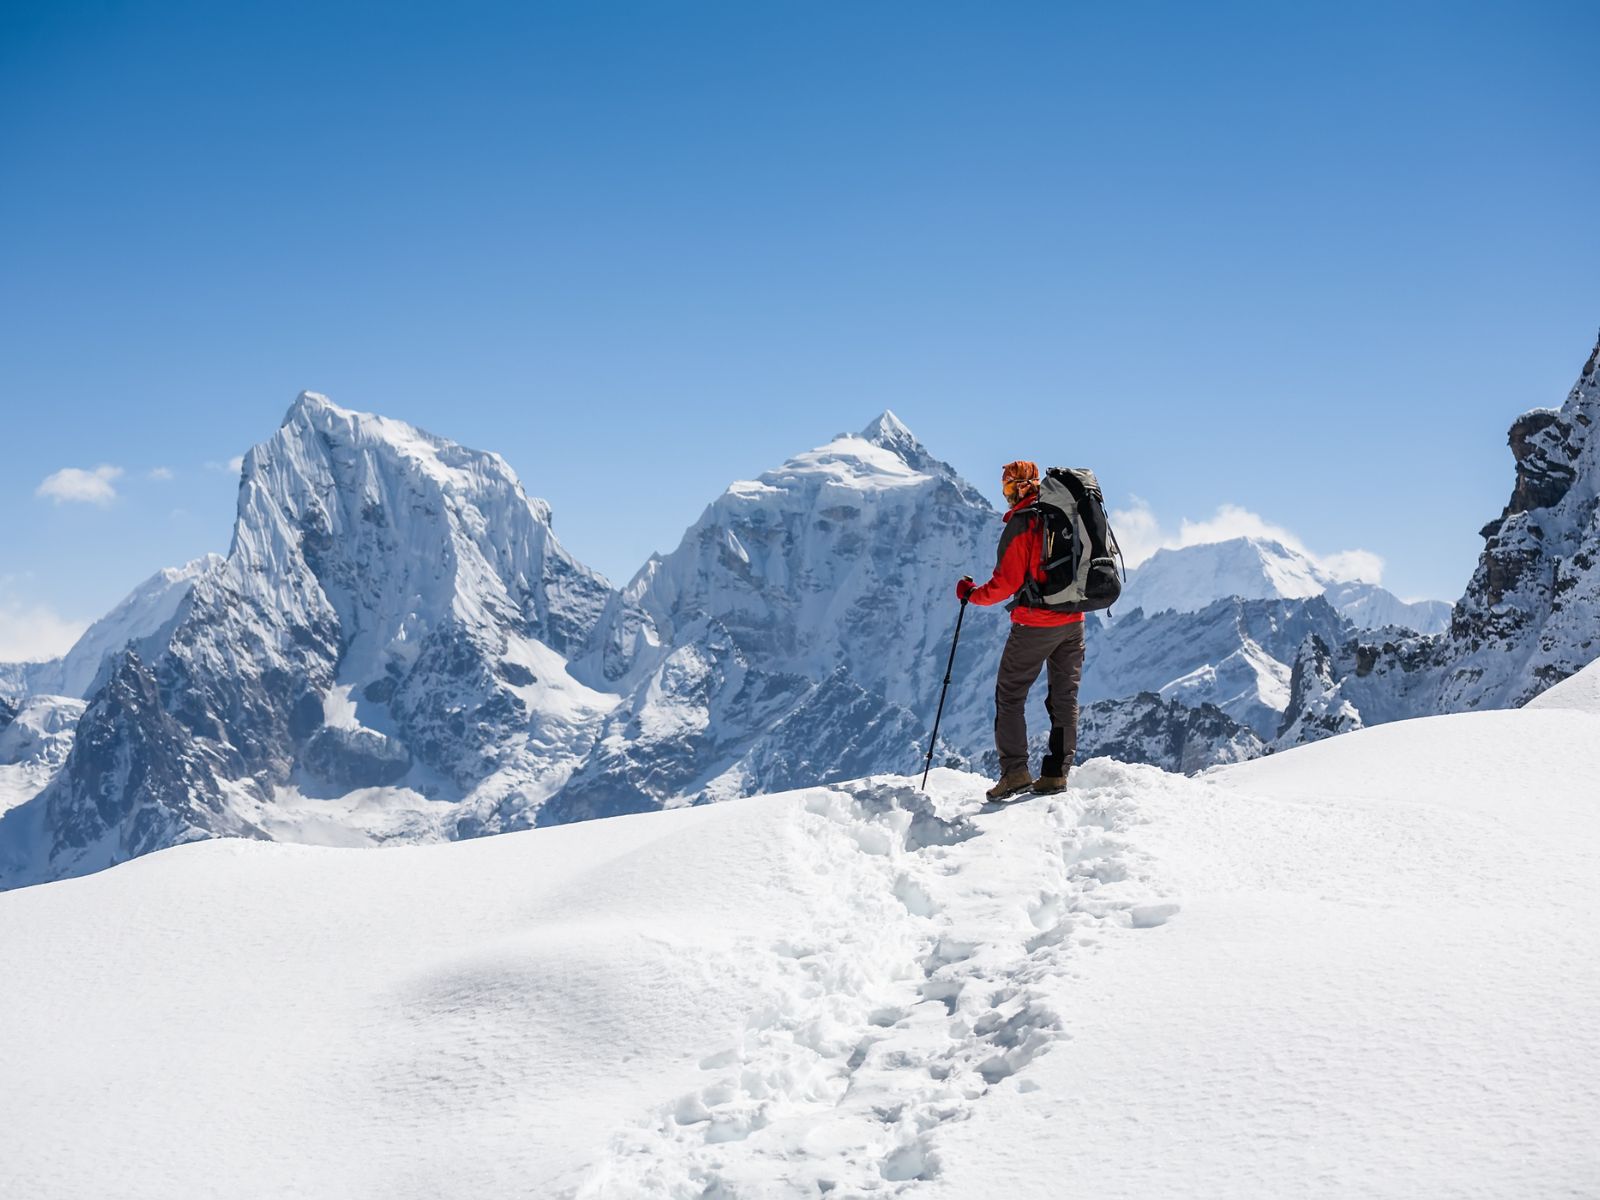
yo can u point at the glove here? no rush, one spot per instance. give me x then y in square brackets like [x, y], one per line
[964, 588]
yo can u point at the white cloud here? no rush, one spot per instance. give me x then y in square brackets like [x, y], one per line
[232, 467]
[1354, 564]
[74, 485]
[1138, 532]
[1141, 533]
[162, 473]
[33, 633]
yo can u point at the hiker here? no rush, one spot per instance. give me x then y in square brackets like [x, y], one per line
[1039, 637]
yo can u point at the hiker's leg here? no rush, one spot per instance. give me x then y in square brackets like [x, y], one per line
[1066, 672]
[1024, 654]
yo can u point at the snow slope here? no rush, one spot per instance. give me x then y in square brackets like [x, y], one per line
[33, 745]
[143, 613]
[1580, 691]
[1361, 968]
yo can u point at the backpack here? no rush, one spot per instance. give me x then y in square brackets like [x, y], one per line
[1080, 554]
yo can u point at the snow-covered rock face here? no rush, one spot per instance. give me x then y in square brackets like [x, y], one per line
[393, 608]
[1530, 616]
[1369, 606]
[145, 613]
[37, 731]
[1235, 654]
[805, 619]
[1191, 578]
[1165, 733]
[1580, 691]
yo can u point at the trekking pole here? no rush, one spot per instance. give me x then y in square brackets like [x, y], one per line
[927, 764]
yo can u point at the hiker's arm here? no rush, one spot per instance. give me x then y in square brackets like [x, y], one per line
[1008, 576]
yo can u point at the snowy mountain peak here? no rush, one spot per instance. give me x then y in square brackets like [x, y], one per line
[1589, 379]
[394, 611]
[307, 406]
[889, 431]
[403, 530]
[886, 454]
[1191, 577]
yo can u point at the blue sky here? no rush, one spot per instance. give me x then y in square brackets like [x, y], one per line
[1305, 261]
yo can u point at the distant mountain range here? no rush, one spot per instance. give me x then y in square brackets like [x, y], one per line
[1255, 568]
[397, 648]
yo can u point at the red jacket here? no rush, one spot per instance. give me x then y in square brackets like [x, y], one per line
[1021, 551]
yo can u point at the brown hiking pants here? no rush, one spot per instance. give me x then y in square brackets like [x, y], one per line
[1029, 648]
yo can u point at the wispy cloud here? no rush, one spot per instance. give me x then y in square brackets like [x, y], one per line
[232, 467]
[32, 632]
[1141, 533]
[162, 473]
[74, 485]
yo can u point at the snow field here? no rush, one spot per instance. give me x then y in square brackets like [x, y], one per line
[1362, 968]
[1385, 983]
[916, 991]
[791, 992]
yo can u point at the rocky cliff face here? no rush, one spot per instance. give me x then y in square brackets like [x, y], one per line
[1530, 616]
[1166, 733]
[1235, 654]
[136, 780]
[1531, 613]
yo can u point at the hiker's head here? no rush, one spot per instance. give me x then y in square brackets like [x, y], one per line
[1019, 480]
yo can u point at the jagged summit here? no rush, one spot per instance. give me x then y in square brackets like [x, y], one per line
[309, 404]
[885, 454]
[393, 611]
[888, 430]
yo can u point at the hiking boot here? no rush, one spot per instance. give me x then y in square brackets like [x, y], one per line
[1049, 784]
[1011, 783]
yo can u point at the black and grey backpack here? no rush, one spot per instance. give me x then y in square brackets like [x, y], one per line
[1080, 551]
